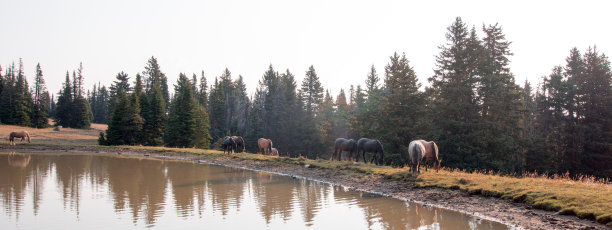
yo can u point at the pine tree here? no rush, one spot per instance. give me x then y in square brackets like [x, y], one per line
[311, 98]
[81, 117]
[500, 104]
[7, 96]
[456, 110]
[154, 115]
[139, 98]
[270, 86]
[203, 95]
[102, 101]
[402, 107]
[289, 115]
[241, 108]
[64, 109]
[595, 107]
[217, 111]
[39, 109]
[256, 123]
[22, 99]
[119, 86]
[153, 71]
[125, 124]
[182, 130]
[311, 92]
[325, 127]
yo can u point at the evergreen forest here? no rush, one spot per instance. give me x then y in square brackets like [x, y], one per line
[471, 107]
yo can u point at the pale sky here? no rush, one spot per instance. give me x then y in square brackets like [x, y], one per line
[342, 39]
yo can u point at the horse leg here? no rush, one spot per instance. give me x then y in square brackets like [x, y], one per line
[363, 156]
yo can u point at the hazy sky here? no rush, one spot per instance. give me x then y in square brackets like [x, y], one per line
[342, 39]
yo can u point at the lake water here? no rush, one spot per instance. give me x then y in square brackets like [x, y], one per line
[85, 191]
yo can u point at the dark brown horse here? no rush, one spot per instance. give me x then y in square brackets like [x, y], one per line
[373, 146]
[431, 152]
[239, 141]
[229, 145]
[22, 135]
[265, 144]
[342, 145]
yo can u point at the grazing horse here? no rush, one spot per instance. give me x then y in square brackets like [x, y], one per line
[265, 144]
[431, 152]
[342, 145]
[229, 145]
[22, 135]
[239, 142]
[416, 151]
[372, 146]
[274, 152]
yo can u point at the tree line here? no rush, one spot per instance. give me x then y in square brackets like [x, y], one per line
[473, 108]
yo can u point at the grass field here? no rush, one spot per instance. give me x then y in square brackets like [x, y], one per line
[584, 197]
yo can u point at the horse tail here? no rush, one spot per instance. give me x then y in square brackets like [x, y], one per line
[436, 157]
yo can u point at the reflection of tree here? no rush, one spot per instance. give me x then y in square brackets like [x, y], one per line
[310, 195]
[41, 168]
[139, 184]
[14, 181]
[188, 183]
[274, 196]
[225, 186]
[70, 172]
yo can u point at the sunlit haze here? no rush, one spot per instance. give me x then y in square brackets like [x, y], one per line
[342, 39]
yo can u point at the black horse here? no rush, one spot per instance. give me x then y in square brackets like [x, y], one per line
[342, 145]
[239, 142]
[229, 145]
[371, 146]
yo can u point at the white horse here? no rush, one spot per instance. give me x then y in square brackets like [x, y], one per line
[416, 151]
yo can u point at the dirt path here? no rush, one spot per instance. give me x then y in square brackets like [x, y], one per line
[500, 210]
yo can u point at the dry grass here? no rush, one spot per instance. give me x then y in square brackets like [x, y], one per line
[66, 136]
[585, 197]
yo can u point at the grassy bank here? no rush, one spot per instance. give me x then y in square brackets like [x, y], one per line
[584, 197]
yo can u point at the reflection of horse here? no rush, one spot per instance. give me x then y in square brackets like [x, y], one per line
[239, 142]
[372, 146]
[229, 145]
[22, 135]
[274, 152]
[18, 160]
[416, 151]
[342, 145]
[265, 144]
[431, 152]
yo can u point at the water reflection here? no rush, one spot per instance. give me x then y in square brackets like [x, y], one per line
[160, 193]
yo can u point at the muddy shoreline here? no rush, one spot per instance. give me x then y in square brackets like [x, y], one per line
[500, 210]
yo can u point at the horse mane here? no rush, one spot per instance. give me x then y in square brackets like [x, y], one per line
[381, 146]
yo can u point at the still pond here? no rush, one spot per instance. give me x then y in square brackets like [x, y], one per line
[84, 191]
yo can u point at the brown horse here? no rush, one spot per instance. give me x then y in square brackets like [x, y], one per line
[22, 135]
[239, 141]
[265, 144]
[274, 152]
[431, 152]
[341, 145]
